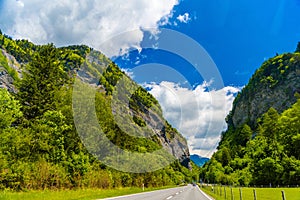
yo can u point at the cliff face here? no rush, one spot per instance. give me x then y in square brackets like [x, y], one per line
[101, 73]
[132, 104]
[9, 71]
[263, 128]
[273, 85]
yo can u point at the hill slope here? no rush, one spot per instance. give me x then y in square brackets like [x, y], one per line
[261, 143]
[40, 146]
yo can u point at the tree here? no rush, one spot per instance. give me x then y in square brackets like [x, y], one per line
[49, 133]
[289, 128]
[9, 109]
[245, 135]
[269, 127]
[226, 158]
[267, 171]
[298, 48]
[42, 78]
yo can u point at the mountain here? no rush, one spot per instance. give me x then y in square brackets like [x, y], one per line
[274, 84]
[198, 160]
[261, 143]
[51, 121]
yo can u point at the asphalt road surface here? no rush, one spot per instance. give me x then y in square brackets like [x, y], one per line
[189, 192]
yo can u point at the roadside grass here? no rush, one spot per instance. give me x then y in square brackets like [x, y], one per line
[79, 194]
[248, 193]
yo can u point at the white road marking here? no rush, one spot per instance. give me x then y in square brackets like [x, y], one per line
[170, 197]
[177, 193]
[204, 194]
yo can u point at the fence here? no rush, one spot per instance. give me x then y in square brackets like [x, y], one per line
[238, 193]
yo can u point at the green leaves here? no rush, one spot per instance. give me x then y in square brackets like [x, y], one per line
[9, 109]
[263, 132]
[271, 157]
[40, 147]
[43, 77]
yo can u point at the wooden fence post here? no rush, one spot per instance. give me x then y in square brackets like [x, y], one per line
[241, 196]
[225, 192]
[254, 193]
[232, 197]
[283, 195]
[220, 190]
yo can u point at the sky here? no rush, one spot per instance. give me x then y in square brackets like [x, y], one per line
[212, 48]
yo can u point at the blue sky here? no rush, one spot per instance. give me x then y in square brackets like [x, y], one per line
[237, 35]
[240, 35]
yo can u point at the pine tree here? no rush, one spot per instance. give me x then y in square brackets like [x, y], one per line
[42, 78]
[298, 48]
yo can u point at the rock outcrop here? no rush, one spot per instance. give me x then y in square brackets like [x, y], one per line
[273, 85]
[8, 67]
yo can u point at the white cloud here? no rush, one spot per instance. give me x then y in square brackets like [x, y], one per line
[20, 3]
[128, 72]
[84, 21]
[198, 114]
[185, 18]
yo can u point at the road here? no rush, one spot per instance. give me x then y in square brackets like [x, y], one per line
[189, 192]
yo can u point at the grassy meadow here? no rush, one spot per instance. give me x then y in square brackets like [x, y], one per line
[79, 194]
[248, 193]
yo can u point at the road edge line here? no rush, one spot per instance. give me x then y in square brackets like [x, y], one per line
[135, 194]
[208, 197]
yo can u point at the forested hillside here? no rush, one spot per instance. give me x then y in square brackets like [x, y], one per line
[262, 142]
[40, 147]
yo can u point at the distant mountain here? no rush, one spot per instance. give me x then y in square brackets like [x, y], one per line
[199, 160]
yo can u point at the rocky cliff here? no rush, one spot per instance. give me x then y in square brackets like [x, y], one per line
[132, 105]
[273, 85]
[260, 146]
[10, 71]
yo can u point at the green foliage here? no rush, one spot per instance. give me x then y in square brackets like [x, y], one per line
[247, 192]
[11, 71]
[245, 135]
[42, 78]
[272, 157]
[22, 50]
[273, 73]
[9, 109]
[40, 148]
[264, 145]
[72, 57]
[269, 125]
[225, 159]
[141, 96]
[110, 77]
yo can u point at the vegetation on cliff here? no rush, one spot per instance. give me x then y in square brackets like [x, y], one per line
[40, 147]
[261, 144]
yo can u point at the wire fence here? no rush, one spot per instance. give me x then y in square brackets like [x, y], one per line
[223, 192]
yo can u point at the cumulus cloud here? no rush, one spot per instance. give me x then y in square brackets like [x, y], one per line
[90, 22]
[199, 114]
[128, 72]
[185, 18]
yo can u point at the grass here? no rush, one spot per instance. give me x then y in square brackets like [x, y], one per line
[80, 194]
[248, 194]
